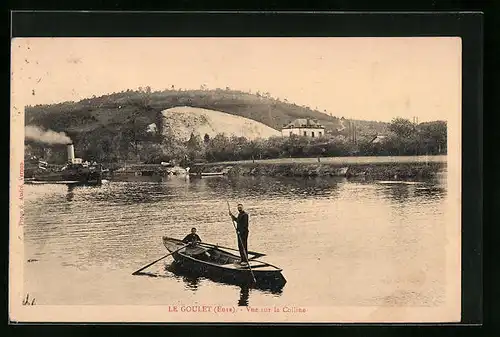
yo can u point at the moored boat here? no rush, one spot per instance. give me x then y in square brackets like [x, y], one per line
[201, 174]
[213, 174]
[218, 264]
[75, 171]
[71, 173]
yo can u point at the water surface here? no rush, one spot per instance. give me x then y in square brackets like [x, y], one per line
[339, 242]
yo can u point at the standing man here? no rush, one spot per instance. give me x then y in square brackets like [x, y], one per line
[242, 232]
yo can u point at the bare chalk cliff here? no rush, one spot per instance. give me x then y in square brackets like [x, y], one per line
[181, 122]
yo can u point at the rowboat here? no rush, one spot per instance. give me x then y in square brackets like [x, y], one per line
[208, 174]
[213, 174]
[218, 264]
[223, 172]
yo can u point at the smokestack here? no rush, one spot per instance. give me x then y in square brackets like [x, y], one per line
[71, 153]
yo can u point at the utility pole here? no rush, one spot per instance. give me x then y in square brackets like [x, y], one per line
[353, 132]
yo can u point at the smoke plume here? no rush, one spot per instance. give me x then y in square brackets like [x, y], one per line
[45, 136]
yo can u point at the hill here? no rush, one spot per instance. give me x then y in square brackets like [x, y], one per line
[88, 114]
[182, 122]
[116, 123]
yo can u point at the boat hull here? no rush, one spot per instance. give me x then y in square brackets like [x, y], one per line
[87, 178]
[266, 275]
[263, 279]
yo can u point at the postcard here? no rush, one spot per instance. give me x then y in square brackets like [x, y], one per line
[304, 180]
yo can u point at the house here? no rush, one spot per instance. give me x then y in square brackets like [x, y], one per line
[378, 139]
[303, 127]
[152, 128]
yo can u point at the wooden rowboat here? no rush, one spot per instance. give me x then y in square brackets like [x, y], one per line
[215, 263]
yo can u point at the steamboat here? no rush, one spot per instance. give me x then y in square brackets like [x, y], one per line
[75, 171]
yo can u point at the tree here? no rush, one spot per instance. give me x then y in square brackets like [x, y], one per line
[433, 136]
[273, 147]
[402, 127]
[173, 149]
[218, 148]
[238, 146]
[254, 149]
[296, 146]
[194, 147]
[194, 141]
[151, 153]
[206, 138]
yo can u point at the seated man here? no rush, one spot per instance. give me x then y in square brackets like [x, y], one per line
[192, 238]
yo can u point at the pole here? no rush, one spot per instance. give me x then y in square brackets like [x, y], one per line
[161, 258]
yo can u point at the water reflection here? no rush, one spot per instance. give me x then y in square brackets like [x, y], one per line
[136, 193]
[70, 193]
[402, 193]
[430, 192]
[397, 192]
[192, 281]
[244, 294]
[154, 190]
[282, 187]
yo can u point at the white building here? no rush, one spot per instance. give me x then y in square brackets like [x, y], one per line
[303, 127]
[378, 139]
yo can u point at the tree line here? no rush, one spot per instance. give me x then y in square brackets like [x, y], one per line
[137, 145]
[403, 139]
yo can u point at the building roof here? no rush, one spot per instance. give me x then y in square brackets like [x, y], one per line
[378, 139]
[303, 123]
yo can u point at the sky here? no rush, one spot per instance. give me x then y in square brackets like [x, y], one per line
[360, 78]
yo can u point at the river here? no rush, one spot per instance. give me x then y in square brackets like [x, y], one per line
[340, 242]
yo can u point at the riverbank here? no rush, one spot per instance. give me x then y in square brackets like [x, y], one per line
[422, 167]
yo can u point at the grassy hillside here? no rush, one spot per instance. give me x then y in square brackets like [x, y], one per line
[117, 108]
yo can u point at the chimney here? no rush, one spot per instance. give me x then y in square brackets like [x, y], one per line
[71, 153]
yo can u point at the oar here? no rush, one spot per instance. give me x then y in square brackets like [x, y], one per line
[241, 242]
[161, 258]
[217, 246]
